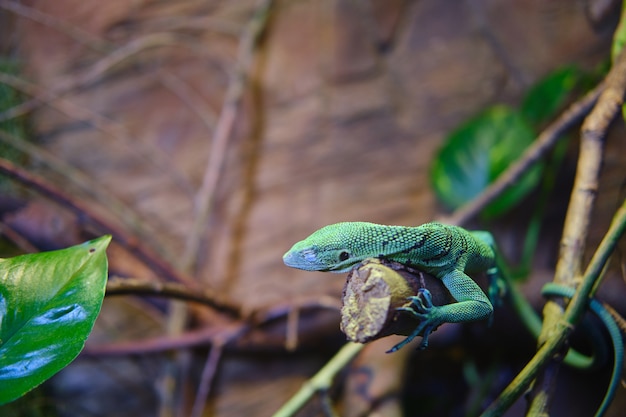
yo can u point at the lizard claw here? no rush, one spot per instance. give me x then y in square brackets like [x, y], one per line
[423, 301]
[422, 308]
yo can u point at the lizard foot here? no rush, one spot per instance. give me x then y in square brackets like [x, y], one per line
[422, 308]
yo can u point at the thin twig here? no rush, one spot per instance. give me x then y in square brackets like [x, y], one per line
[197, 337]
[207, 377]
[188, 96]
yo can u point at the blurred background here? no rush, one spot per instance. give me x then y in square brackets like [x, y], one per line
[215, 134]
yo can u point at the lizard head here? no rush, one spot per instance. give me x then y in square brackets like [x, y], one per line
[333, 248]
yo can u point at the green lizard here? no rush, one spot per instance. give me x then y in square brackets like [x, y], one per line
[449, 253]
[446, 252]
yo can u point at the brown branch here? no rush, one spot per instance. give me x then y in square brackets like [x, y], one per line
[208, 376]
[586, 183]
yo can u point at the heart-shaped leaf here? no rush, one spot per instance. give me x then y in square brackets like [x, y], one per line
[477, 152]
[49, 302]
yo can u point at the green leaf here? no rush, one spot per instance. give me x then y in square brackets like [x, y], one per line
[548, 96]
[477, 152]
[619, 37]
[48, 304]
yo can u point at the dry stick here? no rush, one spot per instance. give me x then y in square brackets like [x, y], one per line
[207, 377]
[544, 142]
[594, 131]
[189, 97]
[578, 216]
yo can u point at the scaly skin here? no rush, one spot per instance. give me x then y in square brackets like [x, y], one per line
[444, 251]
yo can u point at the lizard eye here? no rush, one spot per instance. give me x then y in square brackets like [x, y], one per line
[344, 256]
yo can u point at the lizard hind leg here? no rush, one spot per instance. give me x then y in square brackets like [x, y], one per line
[421, 307]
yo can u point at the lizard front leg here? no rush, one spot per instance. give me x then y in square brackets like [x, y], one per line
[472, 305]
